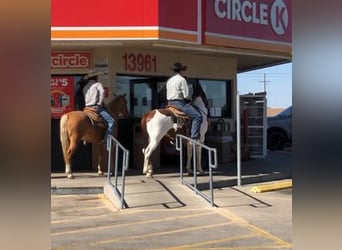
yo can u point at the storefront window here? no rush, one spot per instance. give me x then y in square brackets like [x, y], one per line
[146, 93]
[219, 97]
[143, 93]
[138, 93]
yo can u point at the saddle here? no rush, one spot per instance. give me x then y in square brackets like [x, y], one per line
[182, 120]
[94, 117]
[179, 117]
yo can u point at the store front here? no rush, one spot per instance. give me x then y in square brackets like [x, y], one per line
[144, 91]
[147, 93]
[136, 51]
[67, 68]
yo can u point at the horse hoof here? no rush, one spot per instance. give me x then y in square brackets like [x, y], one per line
[149, 176]
[100, 173]
[70, 176]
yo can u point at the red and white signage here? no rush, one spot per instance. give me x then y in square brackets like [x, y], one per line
[71, 60]
[254, 19]
[62, 95]
[256, 24]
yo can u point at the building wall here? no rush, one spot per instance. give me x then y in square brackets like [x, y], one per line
[199, 66]
[152, 62]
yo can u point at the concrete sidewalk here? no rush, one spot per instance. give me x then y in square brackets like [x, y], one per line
[276, 166]
[164, 214]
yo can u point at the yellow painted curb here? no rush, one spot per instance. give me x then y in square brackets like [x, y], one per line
[273, 186]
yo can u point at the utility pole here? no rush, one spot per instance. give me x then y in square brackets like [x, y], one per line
[264, 81]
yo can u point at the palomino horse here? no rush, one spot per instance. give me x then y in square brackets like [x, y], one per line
[160, 122]
[77, 126]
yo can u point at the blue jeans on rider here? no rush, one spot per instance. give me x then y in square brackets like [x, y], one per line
[191, 111]
[109, 120]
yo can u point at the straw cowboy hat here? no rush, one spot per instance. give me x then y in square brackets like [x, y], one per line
[179, 66]
[92, 73]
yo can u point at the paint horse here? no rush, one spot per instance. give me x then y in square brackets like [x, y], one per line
[87, 126]
[160, 122]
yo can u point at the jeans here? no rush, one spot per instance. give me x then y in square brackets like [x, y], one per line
[195, 115]
[108, 118]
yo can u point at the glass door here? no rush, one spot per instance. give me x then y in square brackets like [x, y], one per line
[142, 99]
[146, 94]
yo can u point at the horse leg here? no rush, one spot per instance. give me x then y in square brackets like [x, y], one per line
[67, 145]
[199, 159]
[149, 172]
[69, 153]
[198, 152]
[147, 163]
[99, 158]
[148, 168]
[146, 160]
[189, 146]
[67, 159]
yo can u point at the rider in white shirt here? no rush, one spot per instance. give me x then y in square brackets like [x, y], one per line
[94, 97]
[177, 94]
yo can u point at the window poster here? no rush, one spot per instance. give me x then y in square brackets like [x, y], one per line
[62, 95]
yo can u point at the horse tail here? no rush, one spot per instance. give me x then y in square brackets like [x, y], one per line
[64, 135]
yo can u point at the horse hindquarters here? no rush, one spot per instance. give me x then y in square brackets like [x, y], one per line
[155, 125]
[147, 152]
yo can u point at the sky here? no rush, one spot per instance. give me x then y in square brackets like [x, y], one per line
[278, 84]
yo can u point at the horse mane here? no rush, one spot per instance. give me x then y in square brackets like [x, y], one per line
[116, 98]
[198, 92]
[112, 105]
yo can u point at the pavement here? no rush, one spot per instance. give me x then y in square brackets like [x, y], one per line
[162, 213]
[276, 166]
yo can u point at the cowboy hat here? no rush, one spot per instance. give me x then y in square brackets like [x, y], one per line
[179, 66]
[92, 73]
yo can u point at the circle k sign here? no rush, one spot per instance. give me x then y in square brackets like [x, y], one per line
[279, 17]
[258, 12]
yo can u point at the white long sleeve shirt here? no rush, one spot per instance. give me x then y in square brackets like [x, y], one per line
[93, 93]
[177, 88]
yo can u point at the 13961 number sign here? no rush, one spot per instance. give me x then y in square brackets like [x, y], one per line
[140, 62]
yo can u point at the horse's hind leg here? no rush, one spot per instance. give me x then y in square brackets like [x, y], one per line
[70, 151]
[66, 145]
[199, 159]
[189, 156]
[147, 162]
[148, 168]
[198, 155]
[72, 142]
[101, 152]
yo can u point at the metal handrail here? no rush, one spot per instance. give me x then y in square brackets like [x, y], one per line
[125, 160]
[212, 164]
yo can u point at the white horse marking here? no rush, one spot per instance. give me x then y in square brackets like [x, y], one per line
[157, 125]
